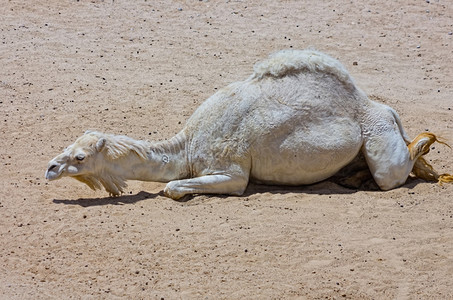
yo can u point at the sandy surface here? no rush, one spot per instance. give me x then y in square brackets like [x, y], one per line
[141, 68]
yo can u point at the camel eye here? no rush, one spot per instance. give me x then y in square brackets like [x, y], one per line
[80, 157]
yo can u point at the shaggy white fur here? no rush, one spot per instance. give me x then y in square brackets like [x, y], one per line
[287, 62]
[117, 146]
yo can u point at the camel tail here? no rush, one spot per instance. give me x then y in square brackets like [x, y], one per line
[423, 170]
[445, 178]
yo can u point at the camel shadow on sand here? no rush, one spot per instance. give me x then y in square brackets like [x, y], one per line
[327, 187]
[121, 200]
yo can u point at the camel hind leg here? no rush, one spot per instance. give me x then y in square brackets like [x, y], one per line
[388, 158]
[387, 149]
[391, 160]
[417, 148]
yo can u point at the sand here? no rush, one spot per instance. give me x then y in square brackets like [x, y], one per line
[141, 68]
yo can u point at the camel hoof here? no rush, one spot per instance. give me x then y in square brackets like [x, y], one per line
[171, 192]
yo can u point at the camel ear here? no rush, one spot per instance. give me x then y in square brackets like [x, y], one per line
[100, 144]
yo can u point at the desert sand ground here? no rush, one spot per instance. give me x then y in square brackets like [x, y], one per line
[141, 68]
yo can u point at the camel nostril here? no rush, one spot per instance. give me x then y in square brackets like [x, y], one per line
[52, 167]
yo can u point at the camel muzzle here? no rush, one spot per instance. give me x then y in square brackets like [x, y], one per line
[53, 172]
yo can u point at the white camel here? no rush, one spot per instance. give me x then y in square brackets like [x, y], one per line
[297, 120]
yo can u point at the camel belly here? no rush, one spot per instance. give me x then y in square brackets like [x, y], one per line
[305, 157]
[294, 172]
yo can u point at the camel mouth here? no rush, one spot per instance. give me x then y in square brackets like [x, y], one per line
[53, 172]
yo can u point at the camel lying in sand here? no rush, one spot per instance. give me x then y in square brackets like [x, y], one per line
[297, 120]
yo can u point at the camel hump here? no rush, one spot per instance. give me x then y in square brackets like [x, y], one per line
[287, 62]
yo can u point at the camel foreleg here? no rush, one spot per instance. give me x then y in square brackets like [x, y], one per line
[209, 184]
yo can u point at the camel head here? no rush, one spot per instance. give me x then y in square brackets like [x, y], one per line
[88, 160]
[79, 160]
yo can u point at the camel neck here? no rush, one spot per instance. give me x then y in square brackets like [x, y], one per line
[170, 157]
[174, 146]
[164, 161]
